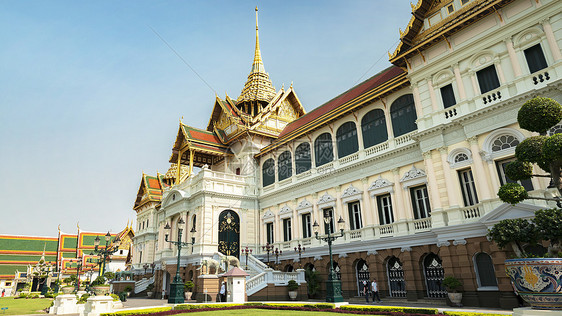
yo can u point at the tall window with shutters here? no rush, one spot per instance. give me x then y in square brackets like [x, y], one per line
[354, 210]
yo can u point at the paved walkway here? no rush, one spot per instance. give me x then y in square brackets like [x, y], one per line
[134, 303]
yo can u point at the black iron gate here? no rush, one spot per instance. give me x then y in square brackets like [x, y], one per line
[229, 233]
[396, 282]
[362, 274]
[434, 275]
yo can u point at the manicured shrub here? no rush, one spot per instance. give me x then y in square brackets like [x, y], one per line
[395, 309]
[531, 149]
[552, 148]
[452, 313]
[512, 193]
[519, 170]
[539, 114]
[139, 312]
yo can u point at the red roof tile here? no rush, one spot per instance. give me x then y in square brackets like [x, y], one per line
[351, 94]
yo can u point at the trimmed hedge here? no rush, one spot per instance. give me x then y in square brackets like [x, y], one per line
[394, 309]
[139, 312]
[452, 313]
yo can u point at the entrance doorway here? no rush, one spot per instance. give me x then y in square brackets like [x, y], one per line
[362, 274]
[396, 282]
[229, 233]
[434, 275]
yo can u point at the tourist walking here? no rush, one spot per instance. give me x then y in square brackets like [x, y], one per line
[366, 290]
[222, 292]
[375, 290]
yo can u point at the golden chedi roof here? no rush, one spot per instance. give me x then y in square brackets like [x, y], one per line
[258, 87]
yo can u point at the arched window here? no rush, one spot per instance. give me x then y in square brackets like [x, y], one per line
[556, 129]
[373, 126]
[268, 172]
[284, 166]
[485, 274]
[403, 115]
[302, 158]
[346, 137]
[504, 142]
[323, 150]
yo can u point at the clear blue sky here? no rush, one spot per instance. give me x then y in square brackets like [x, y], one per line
[90, 97]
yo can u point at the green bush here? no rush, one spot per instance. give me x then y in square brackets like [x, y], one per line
[512, 193]
[128, 288]
[427, 311]
[452, 313]
[552, 149]
[22, 295]
[253, 304]
[197, 306]
[83, 298]
[188, 286]
[147, 311]
[516, 230]
[519, 170]
[452, 283]
[292, 285]
[115, 297]
[531, 149]
[539, 114]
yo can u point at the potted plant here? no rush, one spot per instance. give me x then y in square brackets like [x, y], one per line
[128, 289]
[99, 286]
[293, 287]
[149, 289]
[312, 282]
[453, 284]
[537, 280]
[188, 287]
[67, 287]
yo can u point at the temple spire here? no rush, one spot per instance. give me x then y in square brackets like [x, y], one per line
[258, 87]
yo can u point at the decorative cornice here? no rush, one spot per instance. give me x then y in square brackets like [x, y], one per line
[443, 243]
[304, 204]
[342, 255]
[325, 199]
[285, 209]
[317, 258]
[372, 252]
[404, 249]
[457, 242]
[268, 214]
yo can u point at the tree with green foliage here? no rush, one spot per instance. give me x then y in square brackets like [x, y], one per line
[536, 115]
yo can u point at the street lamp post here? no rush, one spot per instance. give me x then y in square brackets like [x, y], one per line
[107, 251]
[333, 285]
[145, 266]
[176, 287]
[277, 253]
[246, 252]
[268, 248]
[78, 268]
[299, 250]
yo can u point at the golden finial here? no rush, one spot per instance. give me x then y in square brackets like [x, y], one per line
[127, 224]
[283, 86]
[291, 85]
[78, 225]
[58, 228]
[412, 5]
[400, 30]
[389, 55]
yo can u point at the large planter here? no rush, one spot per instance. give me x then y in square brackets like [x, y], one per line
[538, 281]
[67, 289]
[101, 289]
[455, 298]
[187, 295]
[293, 295]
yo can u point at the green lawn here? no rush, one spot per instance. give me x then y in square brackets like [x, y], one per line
[258, 311]
[24, 306]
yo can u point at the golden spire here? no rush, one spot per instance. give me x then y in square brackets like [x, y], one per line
[258, 87]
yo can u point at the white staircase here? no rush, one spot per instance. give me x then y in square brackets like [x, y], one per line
[143, 284]
[261, 275]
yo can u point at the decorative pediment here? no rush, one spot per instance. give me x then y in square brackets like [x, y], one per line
[351, 191]
[304, 204]
[412, 174]
[285, 211]
[508, 211]
[381, 185]
[326, 200]
[268, 215]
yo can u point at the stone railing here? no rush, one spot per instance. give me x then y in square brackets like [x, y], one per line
[355, 234]
[143, 284]
[376, 149]
[349, 158]
[386, 230]
[269, 276]
[422, 224]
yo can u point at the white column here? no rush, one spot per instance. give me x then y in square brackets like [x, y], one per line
[460, 84]
[449, 182]
[341, 208]
[554, 49]
[513, 57]
[368, 209]
[498, 63]
[400, 205]
[297, 224]
[388, 120]
[475, 88]
[495, 180]
[432, 94]
[359, 135]
[480, 175]
[433, 188]
[417, 100]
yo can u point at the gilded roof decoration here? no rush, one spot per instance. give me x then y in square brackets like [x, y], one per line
[258, 87]
[150, 190]
[415, 38]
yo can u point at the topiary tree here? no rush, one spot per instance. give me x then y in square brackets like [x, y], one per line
[536, 115]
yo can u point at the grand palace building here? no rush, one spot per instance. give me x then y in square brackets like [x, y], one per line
[411, 159]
